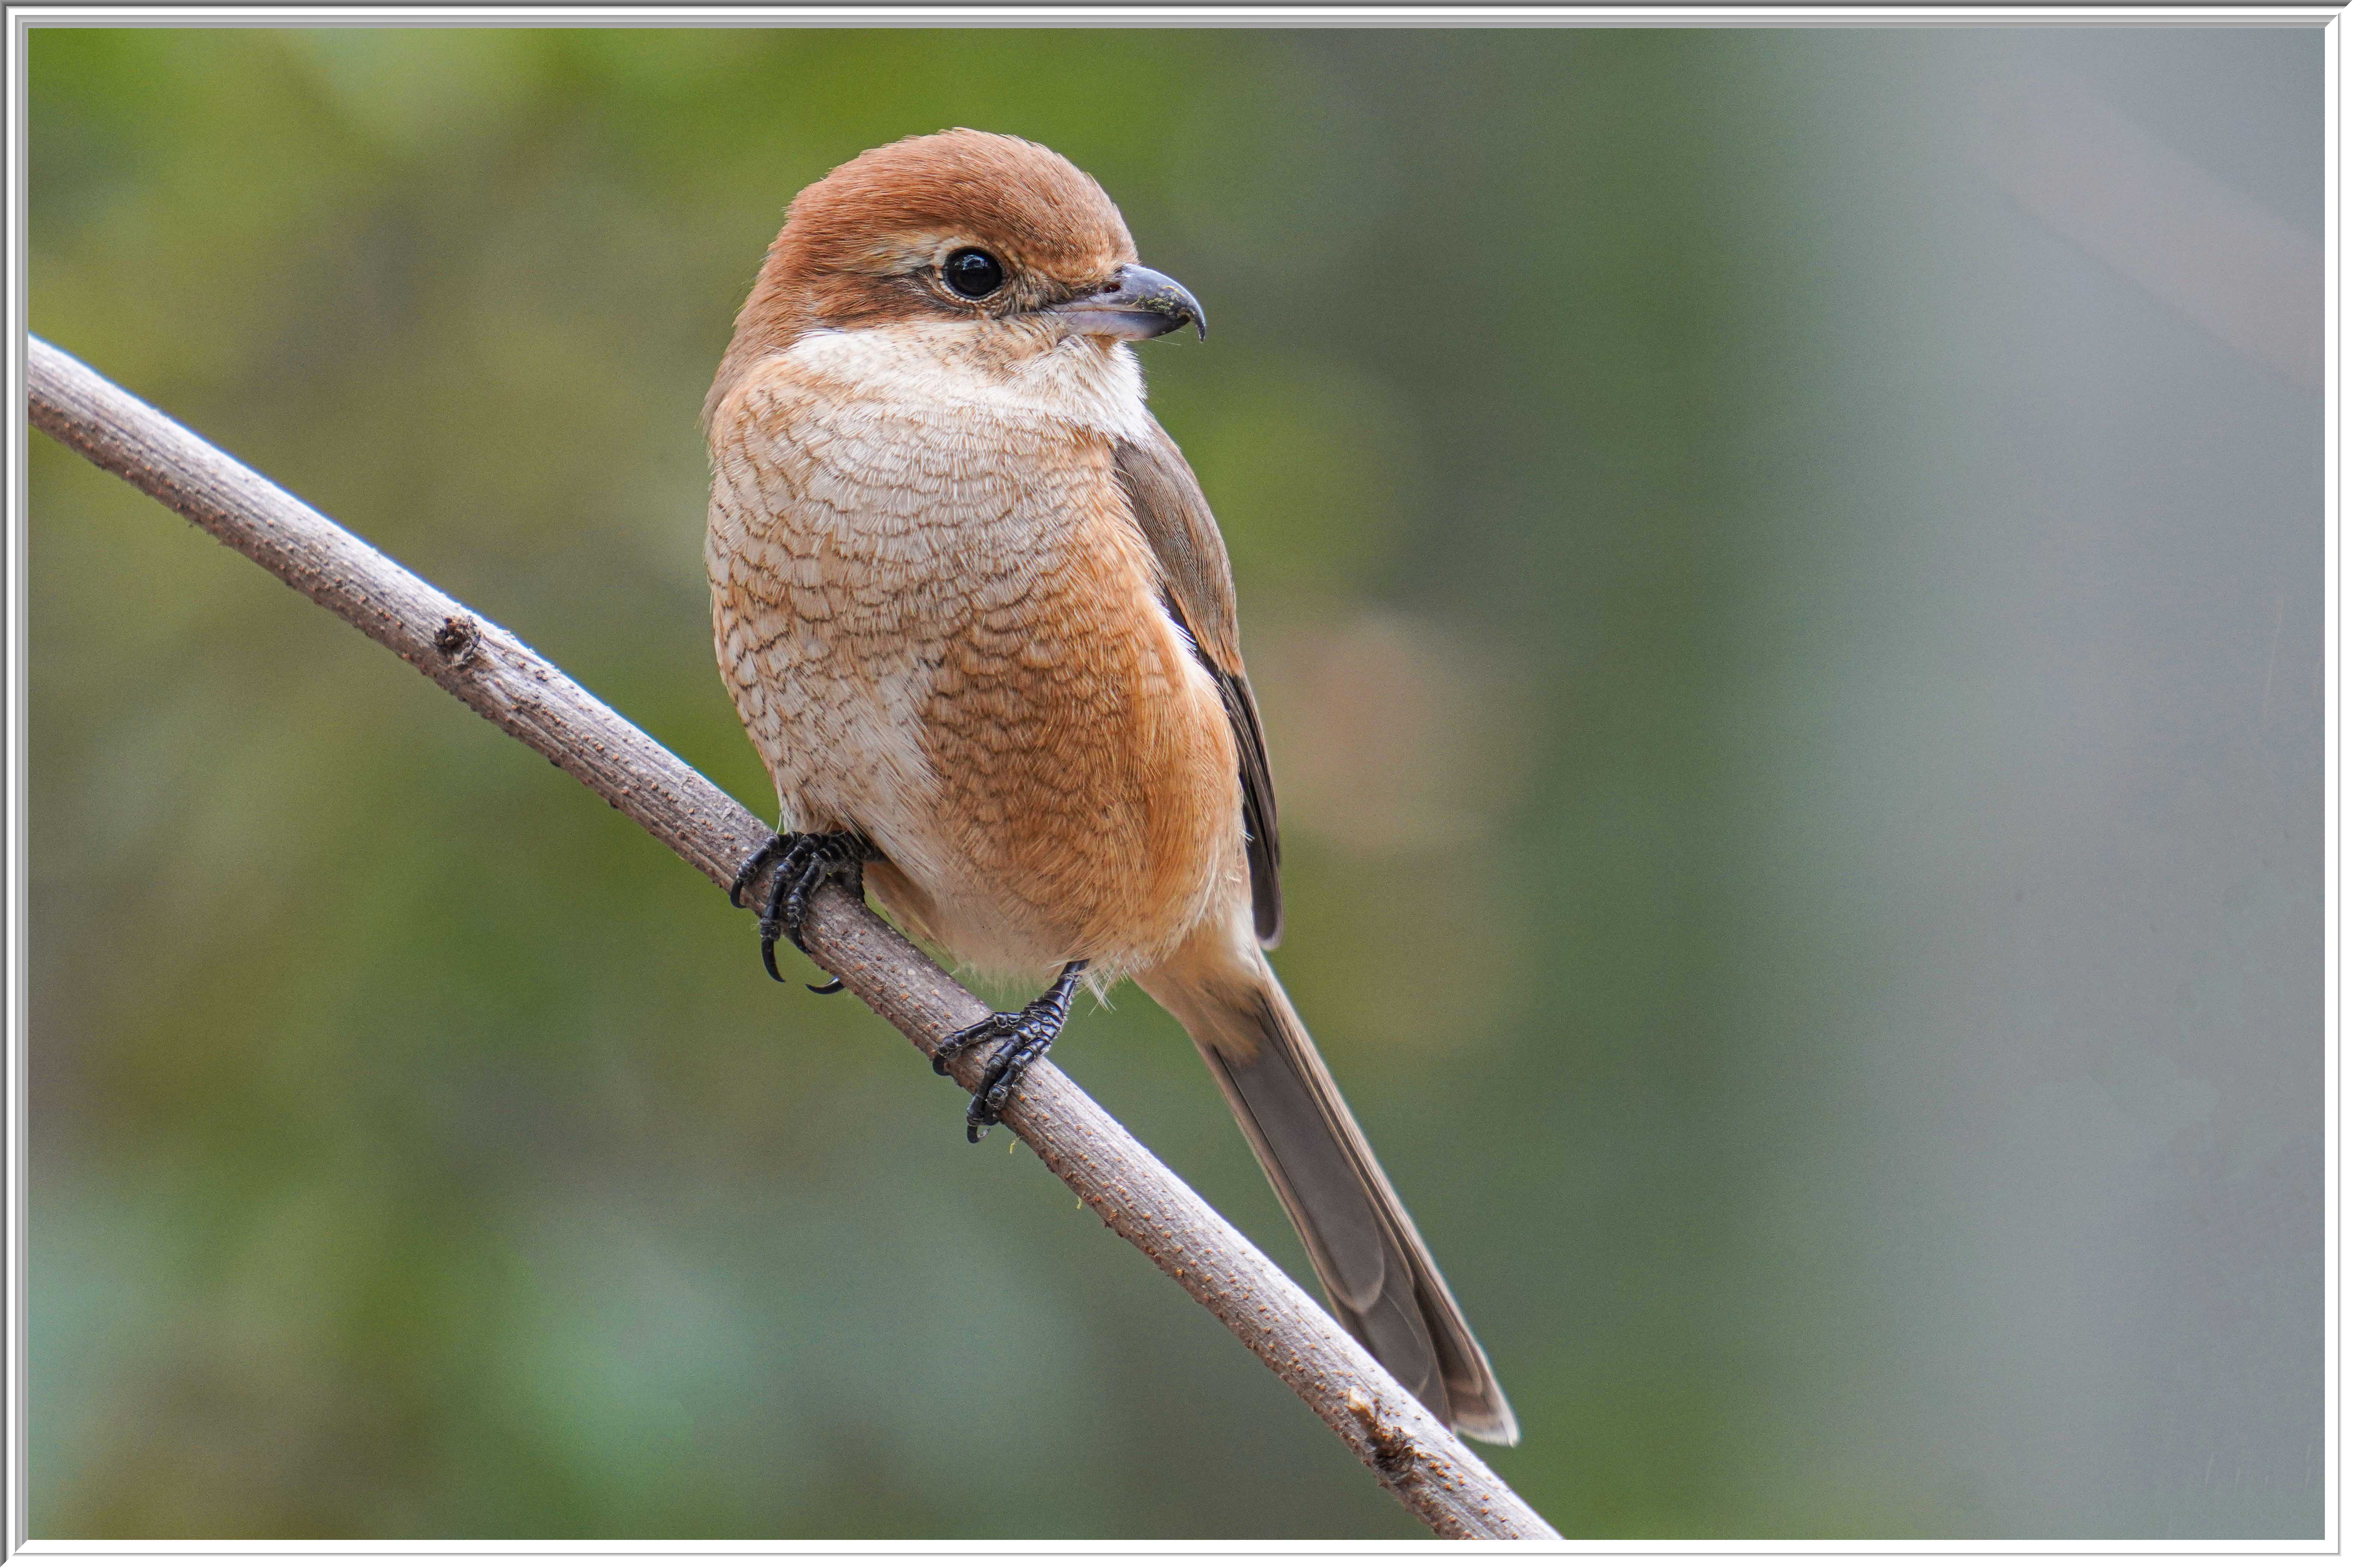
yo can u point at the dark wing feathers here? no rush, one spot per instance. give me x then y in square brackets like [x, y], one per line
[1198, 584]
[1258, 805]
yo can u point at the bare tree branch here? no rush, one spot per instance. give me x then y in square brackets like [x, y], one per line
[489, 670]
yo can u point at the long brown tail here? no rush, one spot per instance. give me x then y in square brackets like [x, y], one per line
[1377, 1276]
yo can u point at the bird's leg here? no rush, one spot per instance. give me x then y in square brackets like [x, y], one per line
[804, 862]
[1027, 1036]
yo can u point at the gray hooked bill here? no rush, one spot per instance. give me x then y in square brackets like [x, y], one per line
[1136, 303]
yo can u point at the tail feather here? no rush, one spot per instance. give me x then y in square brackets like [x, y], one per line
[1377, 1274]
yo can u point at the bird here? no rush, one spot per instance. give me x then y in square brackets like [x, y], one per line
[979, 623]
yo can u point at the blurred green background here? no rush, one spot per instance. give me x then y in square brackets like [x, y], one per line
[1783, 568]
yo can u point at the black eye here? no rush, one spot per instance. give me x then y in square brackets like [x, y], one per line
[975, 274]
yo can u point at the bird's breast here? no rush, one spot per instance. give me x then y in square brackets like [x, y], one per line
[944, 628]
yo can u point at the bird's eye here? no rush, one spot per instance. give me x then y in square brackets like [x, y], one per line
[975, 274]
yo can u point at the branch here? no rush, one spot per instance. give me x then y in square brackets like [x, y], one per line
[489, 669]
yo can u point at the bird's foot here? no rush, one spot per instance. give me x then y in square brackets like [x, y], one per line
[1026, 1036]
[804, 862]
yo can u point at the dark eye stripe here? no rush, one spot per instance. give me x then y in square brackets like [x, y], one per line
[975, 274]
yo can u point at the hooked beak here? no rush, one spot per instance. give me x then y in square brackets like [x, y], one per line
[1136, 303]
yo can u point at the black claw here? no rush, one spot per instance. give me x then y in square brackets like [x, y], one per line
[803, 861]
[752, 866]
[1027, 1036]
[829, 988]
[815, 872]
[772, 924]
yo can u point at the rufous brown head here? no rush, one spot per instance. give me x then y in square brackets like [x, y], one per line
[963, 226]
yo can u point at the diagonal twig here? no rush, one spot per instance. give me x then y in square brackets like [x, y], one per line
[491, 670]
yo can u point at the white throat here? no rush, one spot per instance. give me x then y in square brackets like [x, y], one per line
[989, 368]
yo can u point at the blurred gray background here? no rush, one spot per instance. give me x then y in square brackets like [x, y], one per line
[1784, 568]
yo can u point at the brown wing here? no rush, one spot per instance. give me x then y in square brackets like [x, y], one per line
[1199, 585]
